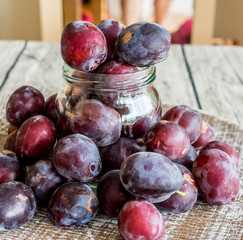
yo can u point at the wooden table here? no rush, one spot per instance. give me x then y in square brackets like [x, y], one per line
[207, 78]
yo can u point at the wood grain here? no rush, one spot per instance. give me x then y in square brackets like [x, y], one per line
[203, 221]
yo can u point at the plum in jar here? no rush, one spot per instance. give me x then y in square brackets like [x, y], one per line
[83, 46]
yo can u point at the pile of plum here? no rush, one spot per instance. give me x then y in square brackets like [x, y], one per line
[162, 167]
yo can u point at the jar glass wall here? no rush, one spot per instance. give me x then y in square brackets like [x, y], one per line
[91, 101]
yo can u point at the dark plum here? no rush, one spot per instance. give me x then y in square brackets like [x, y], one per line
[151, 176]
[224, 146]
[143, 44]
[23, 103]
[189, 158]
[139, 219]
[207, 135]
[111, 28]
[77, 158]
[188, 118]
[35, 138]
[178, 203]
[113, 155]
[73, 204]
[17, 206]
[117, 67]
[50, 108]
[83, 46]
[43, 179]
[140, 127]
[111, 194]
[217, 178]
[10, 141]
[167, 138]
[97, 121]
[10, 169]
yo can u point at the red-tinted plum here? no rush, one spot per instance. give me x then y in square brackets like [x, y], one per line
[143, 44]
[17, 206]
[111, 28]
[83, 46]
[73, 204]
[207, 135]
[117, 67]
[151, 176]
[43, 179]
[217, 178]
[50, 108]
[167, 138]
[188, 118]
[111, 194]
[24, 102]
[10, 169]
[10, 141]
[140, 127]
[77, 158]
[35, 138]
[97, 121]
[224, 146]
[181, 203]
[189, 158]
[114, 155]
[139, 219]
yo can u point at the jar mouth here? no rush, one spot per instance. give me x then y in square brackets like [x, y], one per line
[101, 81]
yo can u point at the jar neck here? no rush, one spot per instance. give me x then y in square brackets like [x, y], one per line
[141, 78]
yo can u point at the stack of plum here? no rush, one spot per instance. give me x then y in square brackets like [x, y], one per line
[157, 169]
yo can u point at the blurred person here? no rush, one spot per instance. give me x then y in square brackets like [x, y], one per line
[131, 10]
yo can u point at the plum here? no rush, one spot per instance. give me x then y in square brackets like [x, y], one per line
[167, 138]
[224, 146]
[9, 143]
[140, 127]
[178, 203]
[143, 44]
[43, 179]
[111, 28]
[188, 118]
[83, 46]
[17, 206]
[207, 135]
[114, 155]
[77, 158]
[111, 194]
[117, 67]
[97, 121]
[50, 108]
[189, 158]
[10, 169]
[23, 103]
[73, 204]
[139, 219]
[151, 176]
[35, 138]
[217, 178]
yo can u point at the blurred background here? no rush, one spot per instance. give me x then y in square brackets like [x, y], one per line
[189, 21]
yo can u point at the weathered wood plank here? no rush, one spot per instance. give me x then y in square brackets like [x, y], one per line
[40, 66]
[173, 82]
[9, 53]
[218, 86]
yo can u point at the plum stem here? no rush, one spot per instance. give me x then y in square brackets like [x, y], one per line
[183, 194]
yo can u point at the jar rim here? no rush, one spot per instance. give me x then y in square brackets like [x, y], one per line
[143, 77]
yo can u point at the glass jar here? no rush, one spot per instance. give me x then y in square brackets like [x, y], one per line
[89, 102]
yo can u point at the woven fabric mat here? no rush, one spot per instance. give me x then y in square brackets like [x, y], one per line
[203, 221]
